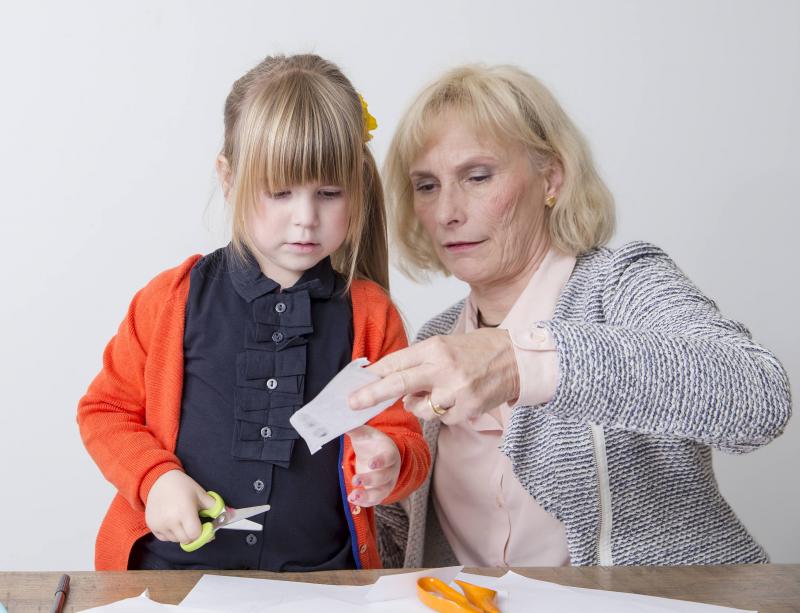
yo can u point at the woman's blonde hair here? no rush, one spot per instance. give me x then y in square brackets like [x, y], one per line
[297, 119]
[511, 106]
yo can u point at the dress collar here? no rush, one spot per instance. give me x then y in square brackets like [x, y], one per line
[250, 283]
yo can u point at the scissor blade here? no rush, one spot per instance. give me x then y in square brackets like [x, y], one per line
[243, 524]
[235, 515]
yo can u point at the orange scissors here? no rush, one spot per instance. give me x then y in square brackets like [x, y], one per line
[437, 595]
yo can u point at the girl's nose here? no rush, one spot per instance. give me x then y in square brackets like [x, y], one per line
[304, 211]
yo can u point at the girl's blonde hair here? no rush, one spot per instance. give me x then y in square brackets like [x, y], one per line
[297, 119]
[512, 106]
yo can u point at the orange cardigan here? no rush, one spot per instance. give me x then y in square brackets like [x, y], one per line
[130, 414]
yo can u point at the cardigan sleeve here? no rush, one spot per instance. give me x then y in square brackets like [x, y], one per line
[112, 415]
[385, 334]
[666, 362]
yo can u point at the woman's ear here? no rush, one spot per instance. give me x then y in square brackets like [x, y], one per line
[554, 178]
[224, 174]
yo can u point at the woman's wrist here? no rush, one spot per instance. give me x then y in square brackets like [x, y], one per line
[537, 365]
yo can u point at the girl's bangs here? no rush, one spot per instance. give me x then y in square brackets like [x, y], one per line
[297, 137]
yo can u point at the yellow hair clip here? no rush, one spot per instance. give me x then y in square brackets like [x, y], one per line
[370, 123]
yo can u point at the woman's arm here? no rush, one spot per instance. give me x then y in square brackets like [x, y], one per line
[666, 362]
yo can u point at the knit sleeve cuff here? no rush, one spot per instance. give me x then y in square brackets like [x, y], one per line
[151, 477]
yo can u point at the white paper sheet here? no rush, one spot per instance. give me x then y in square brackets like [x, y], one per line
[397, 594]
[222, 593]
[400, 585]
[244, 595]
[142, 604]
[329, 416]
[548, 596]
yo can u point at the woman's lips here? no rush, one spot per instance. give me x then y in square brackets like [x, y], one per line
[302, 247]
[462, 246]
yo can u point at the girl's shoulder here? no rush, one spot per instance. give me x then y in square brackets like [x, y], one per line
[372, 302]
[377, 323]
[167, 283]
[163, 297]
[167, 289]
[369, 294]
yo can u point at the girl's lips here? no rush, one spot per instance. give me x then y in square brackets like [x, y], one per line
[302, 247]
[461, 247]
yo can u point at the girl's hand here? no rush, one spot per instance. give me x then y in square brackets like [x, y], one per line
[172, 507]
[466, 374]
[377, 466]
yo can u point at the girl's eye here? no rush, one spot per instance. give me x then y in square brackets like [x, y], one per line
[280, 194]
[330, 194]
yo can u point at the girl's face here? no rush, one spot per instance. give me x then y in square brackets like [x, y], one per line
[295, 228]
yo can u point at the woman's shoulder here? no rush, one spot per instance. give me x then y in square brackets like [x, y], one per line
[442, 323]
[607, 267]
[621, 256]
[616, 280]
[595, 271]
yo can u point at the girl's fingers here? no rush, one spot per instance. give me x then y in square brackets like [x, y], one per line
[361, 434]
[377, 462]
[180, 534]
[370, 497]
[375, 478]
[191, 529]
[206, 501]
[169, 535]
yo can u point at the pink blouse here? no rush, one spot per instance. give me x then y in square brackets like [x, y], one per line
[486, 515]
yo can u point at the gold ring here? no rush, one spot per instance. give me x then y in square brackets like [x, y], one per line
[438, 409]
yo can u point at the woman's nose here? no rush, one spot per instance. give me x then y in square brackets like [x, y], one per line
[449, 209]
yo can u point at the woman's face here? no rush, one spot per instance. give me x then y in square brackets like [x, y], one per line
[480, 202]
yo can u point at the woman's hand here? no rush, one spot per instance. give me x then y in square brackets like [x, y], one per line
[467, 374]
[377, 466]
[172, 507]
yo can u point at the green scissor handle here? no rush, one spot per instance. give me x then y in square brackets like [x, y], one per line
[207, 530]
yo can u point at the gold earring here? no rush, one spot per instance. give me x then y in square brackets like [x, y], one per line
[550, 201]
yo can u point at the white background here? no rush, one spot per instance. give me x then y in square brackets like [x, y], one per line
[111, 116]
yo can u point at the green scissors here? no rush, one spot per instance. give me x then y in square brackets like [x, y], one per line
[224, 517]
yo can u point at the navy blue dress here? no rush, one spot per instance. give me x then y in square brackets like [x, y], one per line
[254, 354]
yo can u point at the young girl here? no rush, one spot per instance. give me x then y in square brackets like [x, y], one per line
[215, 355]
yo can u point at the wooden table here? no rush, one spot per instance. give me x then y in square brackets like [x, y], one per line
[769, 588]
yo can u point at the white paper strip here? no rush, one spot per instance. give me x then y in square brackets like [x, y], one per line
[329, 416]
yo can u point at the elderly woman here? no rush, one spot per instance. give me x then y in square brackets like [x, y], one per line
[572, 400]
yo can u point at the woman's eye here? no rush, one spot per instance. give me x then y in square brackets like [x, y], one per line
[424, 187]
[480, 178]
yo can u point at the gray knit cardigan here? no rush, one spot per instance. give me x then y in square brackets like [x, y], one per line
[652, 377]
